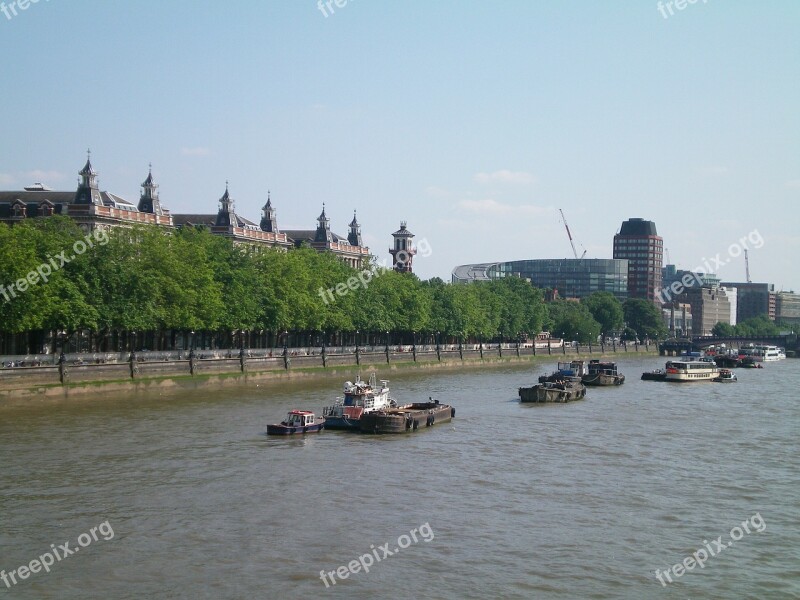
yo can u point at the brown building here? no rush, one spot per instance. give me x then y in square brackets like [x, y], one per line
[639, 243]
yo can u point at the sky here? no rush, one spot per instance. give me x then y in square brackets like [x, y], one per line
[472, 121]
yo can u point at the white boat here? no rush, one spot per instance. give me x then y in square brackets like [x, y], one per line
[690, 370]
[360, 398]
[767, 353]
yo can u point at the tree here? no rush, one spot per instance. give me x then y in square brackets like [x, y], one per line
[722, 329]
[572, 321]
[645, 318]
[606, 310]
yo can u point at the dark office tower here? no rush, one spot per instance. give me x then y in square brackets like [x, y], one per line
[639, 243]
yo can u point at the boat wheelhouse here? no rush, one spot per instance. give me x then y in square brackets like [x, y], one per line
[566, 371]
[360, 398]
[690, 370]
[297, 421]
[602, 373]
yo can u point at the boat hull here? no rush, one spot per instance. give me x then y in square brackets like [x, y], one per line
[281, 429]
[545, 393]
[654, 376]
[603, 379]
[406, 419]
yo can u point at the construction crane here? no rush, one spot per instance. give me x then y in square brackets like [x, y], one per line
[569, 235]
[747, 267]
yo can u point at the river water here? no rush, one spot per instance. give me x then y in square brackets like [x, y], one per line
[189, 498]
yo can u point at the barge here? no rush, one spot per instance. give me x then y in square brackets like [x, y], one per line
[552, 391]
[406, 418]
[602, 373]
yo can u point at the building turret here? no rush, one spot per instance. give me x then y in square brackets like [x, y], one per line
[403, 251]
[149, 201]
[88, 191]
[355, 232]
[226, 216]
[323, 233]
[269, 222]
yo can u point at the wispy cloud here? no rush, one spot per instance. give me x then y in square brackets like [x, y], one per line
[436, 192]
[492, 207]
[39, 175]
[195, 151]
[793, 184]
[6, 179]
[505, 176]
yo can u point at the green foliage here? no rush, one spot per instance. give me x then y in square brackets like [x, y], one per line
[572, 321]
[606, 310]
[723, 330]
[147, 279]
[644, 318]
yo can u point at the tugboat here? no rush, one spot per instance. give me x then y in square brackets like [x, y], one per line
[566, 371]
[297, 421]
[359, 398]
[406, 418]
[725, 376]
[655, 375]
[553, 391]
[602, 373]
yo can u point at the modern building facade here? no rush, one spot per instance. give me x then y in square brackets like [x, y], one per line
[674, 280]
[754, 299]
[638, 242]
[572, 278]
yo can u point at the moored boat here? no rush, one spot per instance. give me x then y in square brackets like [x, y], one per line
[655, 375]
[406, 418]
[725, 376]
[687, 370]
[602, 373]
[359, 398]
[566, 371]
[297, 421]
[553, 391]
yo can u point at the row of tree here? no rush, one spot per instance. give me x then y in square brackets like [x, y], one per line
[149, 280]
[759, 326]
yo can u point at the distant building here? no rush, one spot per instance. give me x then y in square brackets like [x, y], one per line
[403, 250]
[709, 306]
[90, 207]
[678, 318]
[674, 280]
[228, 224]
[638, 242]
[573, 278]
[754, 299]
[350, 249]
[733, 300]
[787, 307]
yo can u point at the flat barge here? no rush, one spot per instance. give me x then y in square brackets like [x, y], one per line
[550, 391]
[406, 418]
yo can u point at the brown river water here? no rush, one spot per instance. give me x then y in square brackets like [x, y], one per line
[183, 496]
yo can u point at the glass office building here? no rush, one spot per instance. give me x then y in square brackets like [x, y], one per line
[573, 278]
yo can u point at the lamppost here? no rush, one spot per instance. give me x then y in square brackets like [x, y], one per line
[500, 345]
[480, 339]
[438, 349]
[460, 346]
[414, 344]
[358, 348]
[387, 346]
[324, 357]
[285, 349]
[519, 339]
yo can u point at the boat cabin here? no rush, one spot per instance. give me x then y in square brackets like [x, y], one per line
[300, 418]
[606, 368]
